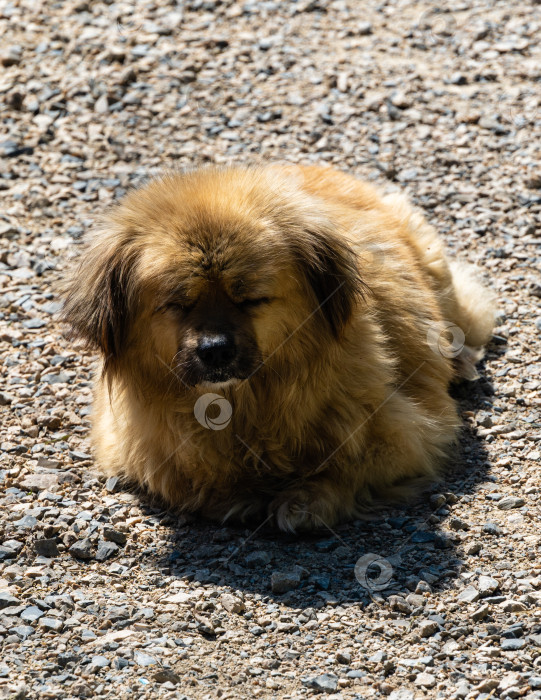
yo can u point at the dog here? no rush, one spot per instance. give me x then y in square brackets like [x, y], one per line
[274, 341]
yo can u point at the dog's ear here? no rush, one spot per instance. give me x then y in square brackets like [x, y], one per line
[99, 297]
[331, 269]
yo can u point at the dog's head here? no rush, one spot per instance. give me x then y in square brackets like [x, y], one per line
[208, 274]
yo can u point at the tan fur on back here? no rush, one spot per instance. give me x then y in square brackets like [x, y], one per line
[349, 397]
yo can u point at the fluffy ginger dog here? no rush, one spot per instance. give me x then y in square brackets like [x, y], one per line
[275, 341]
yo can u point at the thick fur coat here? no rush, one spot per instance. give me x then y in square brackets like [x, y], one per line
[325, 317]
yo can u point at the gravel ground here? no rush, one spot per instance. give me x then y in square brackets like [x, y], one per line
[104, 595]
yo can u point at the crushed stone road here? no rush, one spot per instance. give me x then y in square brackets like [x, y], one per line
[105, 595]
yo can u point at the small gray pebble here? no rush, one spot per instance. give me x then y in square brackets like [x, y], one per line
[65, 658]
[402, 694]
[98, 662]
[31, 613]
[256, 560]
[325, 683]
[283, 581]
[512, 644]
[487, 585]
[8, 600]
[27, 522]
[427, 628]
[356, 673]
[22, 631]
[115, 536]
[106, 550]
[51, 624]
[510, 502]
[46, 547]
[112, 483]
[469, 595]
[82, 549]
[142, 659]
[166, 675]
[492, 529]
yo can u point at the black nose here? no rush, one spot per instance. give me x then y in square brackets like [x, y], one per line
[216, 351]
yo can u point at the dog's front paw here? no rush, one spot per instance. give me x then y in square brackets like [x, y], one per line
[299, 509]
[245, 510]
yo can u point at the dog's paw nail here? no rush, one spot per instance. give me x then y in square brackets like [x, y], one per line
[291, 514]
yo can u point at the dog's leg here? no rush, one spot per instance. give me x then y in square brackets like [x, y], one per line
[316, 503]
[399, 450]
[463, 300]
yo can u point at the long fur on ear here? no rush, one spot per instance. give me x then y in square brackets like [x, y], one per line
[331, 269]
[99, 296]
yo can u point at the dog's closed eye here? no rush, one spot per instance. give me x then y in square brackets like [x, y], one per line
[246, 304]
[181, 306]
